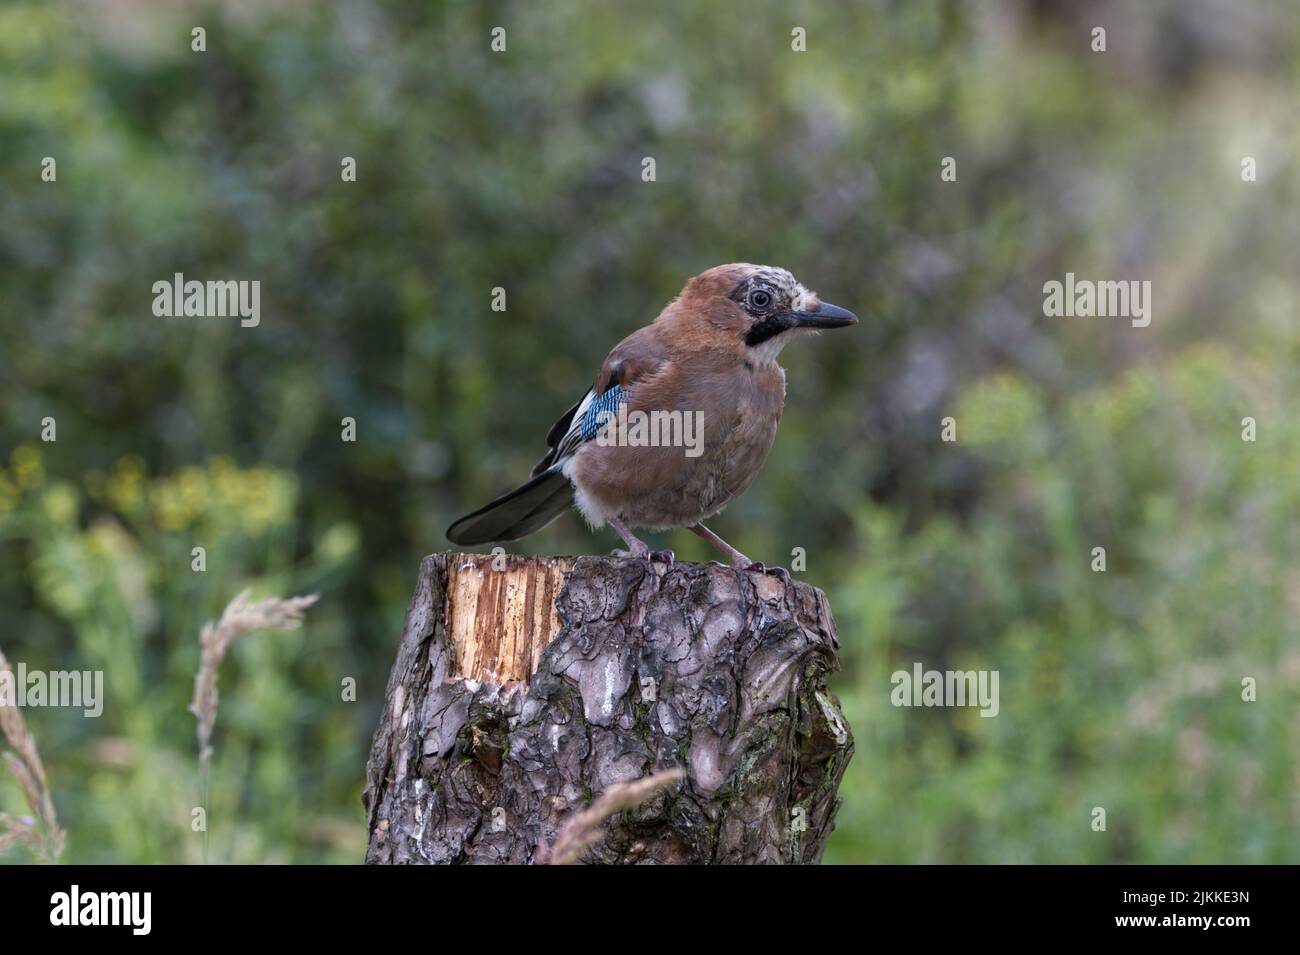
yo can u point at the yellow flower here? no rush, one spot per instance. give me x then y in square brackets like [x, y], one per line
[126, 484]
[129, 468]
[61, 503]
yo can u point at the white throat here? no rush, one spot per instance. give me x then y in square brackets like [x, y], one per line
[765, 353]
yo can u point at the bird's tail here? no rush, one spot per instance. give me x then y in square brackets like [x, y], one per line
[525, 509]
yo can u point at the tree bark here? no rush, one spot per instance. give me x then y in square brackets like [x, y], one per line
[522, 690]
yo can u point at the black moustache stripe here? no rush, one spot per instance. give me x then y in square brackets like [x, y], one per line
[769, 327]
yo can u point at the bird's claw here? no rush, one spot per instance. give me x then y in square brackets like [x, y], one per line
[758, 567]
[660, 556]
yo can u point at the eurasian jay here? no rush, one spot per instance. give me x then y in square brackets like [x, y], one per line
[710, 357]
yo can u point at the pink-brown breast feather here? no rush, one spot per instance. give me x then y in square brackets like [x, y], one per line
[661, 486]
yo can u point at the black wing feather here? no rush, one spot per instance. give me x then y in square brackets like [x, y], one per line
[556, 435]
[517, 514]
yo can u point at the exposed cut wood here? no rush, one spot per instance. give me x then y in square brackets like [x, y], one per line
[500, 614]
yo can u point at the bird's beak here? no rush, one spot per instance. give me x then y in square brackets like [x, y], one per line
[826, 316]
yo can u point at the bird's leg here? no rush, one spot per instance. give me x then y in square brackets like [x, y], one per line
[738, 560]
[635, 546]
[734, 557]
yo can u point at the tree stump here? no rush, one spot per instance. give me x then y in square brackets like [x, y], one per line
[525, 687]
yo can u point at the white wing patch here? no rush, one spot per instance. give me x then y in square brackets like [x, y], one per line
[565, 447]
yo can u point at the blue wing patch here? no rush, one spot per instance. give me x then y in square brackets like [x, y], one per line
[600, 408]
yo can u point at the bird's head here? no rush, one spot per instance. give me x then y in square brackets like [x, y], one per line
[760, 306]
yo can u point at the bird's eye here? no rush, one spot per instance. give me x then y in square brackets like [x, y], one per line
[760, 299]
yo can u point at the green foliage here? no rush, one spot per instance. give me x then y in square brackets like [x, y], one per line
[111, 567]
[1120, 689]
